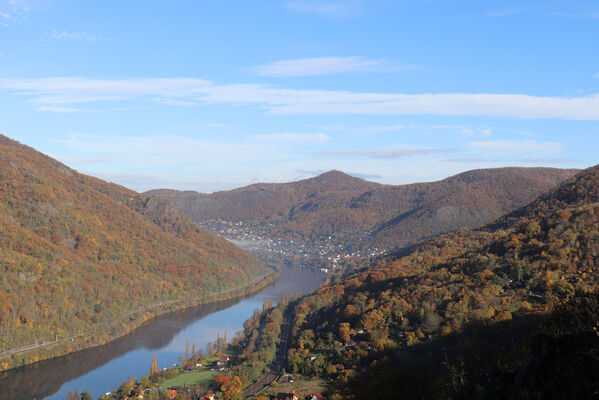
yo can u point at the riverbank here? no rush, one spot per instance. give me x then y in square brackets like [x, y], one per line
[124, 324]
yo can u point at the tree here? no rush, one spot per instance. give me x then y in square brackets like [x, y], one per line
[154, 367]
[344, 331]
[222, 381]
[85, 395]
[145, 381]
[126, 387]
[233, 391]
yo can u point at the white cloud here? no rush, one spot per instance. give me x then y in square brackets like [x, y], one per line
[405, 151]
[56, 92]
[12, 11]
[326, 66]
[73, 37]
[338, 10]
[459, 129]
[176, 149]
[165, 147]
[67, 92]
[385, 128]
[62, 109]
[518, 146]
[293, 139]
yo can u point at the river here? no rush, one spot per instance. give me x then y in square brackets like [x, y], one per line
[103, 369]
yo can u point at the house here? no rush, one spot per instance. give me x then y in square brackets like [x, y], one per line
[189, 368]
[208, 396]
[198, 364]
[172, 394]
[288, 396]
[224, 358]
[316, 396]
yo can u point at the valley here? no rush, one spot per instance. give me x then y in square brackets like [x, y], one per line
[299, 200]
[404, 304]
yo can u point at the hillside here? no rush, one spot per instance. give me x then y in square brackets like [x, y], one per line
[76, 252]
[358, 214]
[457, 316]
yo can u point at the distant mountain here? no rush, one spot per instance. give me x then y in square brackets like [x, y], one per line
[459, 316]
[361, 214]
[76, 251]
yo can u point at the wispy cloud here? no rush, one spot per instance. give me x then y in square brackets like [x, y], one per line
[518, 146]
[514, 161]
[165, 149]
[73, 37]
[12, 11]
[69, 92]
[406, 151]
[461, 130]
[338, 10]
[293, 139]
[550, 161]
[326, 66]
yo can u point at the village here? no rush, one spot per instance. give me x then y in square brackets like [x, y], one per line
[204, 376]
[324, 253]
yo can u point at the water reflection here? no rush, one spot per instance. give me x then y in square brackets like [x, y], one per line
[103, 368]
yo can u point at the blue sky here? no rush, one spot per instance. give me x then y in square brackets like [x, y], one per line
[210, 95]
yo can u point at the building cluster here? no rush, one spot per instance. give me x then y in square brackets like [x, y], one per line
[324, 253]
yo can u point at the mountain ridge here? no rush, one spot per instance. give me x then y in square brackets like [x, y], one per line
[376, 215]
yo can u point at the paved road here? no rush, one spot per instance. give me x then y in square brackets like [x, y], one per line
[280, 360]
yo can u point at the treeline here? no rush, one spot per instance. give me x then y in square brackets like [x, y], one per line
[257, 343]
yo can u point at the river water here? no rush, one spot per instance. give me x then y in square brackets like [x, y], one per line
[103, 369]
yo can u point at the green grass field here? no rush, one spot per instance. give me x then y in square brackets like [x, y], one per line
[191, 378]
[302, 386]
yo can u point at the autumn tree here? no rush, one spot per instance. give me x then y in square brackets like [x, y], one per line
[234, 390]
[344, 332]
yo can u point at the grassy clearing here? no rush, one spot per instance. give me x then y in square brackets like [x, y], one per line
[302, 386]
[191, 378]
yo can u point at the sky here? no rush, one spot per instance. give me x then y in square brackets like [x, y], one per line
[211, 95]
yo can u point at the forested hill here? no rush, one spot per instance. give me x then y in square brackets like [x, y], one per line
[76, 252]
[466, 305]
[361, 214]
